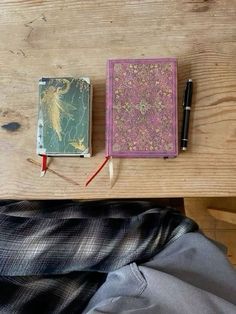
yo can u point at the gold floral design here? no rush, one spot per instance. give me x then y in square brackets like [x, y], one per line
[116, 147]
[51, 99]
[127, 106]
[143, 107]
[79, 144]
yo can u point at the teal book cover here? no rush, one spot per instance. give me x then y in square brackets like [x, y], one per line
[64, 119]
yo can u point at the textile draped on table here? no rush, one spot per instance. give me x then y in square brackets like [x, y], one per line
[55, 255]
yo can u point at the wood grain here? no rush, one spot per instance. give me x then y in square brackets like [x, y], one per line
[70, 38]
[223, 214]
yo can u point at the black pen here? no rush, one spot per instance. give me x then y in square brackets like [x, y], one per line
[186, 111]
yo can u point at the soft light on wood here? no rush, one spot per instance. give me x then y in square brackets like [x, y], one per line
[75, 38]
[223, 214]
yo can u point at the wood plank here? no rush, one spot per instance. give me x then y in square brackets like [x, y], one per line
[70, 38]
[196, 208]
[223, 214]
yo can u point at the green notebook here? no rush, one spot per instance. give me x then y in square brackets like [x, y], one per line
[65, 114]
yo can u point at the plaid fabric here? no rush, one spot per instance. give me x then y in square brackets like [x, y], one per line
[55, 255]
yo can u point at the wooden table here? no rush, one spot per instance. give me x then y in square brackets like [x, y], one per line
[70, 38]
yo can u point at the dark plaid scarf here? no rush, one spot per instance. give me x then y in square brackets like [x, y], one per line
[55, 255]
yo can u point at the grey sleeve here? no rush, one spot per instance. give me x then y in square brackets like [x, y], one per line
[191, 275]
[200, 262]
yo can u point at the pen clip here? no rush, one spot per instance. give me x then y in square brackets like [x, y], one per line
[186, 91]
[184, 95]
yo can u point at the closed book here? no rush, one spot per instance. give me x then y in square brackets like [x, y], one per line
[64, 118]
[141, 115]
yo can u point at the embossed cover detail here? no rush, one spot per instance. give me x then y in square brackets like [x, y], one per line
[64, 121]
[142, 108]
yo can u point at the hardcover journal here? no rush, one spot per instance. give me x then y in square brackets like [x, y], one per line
[141, 115]
[64, 120]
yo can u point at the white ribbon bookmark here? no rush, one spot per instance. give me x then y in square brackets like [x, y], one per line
[111, 171]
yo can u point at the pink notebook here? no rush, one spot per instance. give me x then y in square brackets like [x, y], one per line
[141, 116]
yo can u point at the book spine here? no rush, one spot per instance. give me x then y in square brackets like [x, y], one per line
[90, 119]
[176, 106]
[40, 138]
[109, 107]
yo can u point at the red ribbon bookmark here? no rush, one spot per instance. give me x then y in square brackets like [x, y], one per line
[44, 165]
[99, 169]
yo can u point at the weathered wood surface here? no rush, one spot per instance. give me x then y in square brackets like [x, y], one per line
[70, 38]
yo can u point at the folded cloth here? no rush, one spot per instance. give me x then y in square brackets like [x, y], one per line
[55, 255]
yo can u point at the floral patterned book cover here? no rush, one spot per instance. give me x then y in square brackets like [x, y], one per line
[64, 120]
[141, 116]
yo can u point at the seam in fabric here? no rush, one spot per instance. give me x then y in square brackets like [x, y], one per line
[139, 277]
